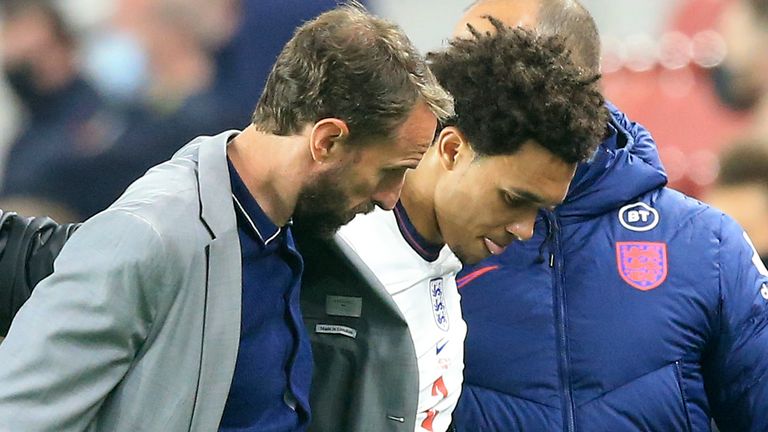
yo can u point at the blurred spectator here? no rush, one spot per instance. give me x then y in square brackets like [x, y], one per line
[741, 190]
[64, 116]
[664, 83]
[176, 103]
[742, 79]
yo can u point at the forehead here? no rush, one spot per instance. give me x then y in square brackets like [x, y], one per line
[532, 169]
[418, 130]
[411, 141]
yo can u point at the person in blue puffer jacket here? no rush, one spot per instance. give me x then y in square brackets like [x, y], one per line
[632, 308]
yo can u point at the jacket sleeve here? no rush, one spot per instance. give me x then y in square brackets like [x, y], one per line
[79, 332]
[28, 247]
[736, 370]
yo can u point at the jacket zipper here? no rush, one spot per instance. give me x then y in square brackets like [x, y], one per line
[556, 264]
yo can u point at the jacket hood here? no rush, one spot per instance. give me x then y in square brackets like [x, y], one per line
[625, 166]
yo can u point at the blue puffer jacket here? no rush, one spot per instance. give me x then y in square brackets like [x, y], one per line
[633, 308]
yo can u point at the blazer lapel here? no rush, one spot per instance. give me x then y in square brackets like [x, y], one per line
[223, 287]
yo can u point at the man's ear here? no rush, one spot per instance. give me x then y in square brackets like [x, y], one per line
[326, 136]
[453, 147]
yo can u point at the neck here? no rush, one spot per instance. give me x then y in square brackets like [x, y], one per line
[418, 198]
[271, 167]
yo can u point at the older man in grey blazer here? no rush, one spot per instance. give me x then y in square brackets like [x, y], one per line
[177, 307]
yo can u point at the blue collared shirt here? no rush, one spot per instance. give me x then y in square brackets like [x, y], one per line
[270, 387]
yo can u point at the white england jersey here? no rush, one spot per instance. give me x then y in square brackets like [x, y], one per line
[422, 281]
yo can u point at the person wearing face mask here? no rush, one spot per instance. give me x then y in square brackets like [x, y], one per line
[168, 72]
[63, 112]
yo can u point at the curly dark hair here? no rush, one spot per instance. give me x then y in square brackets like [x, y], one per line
[513, 85]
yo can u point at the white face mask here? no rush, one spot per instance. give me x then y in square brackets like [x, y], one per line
[117, 64]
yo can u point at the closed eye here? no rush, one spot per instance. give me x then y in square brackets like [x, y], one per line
[393, 175]
[394, 172]
[514, 201]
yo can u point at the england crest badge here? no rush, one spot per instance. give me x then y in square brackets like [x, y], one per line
[643, 265]
[439, 308]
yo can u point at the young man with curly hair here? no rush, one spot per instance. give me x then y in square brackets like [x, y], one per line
[525, 116]
[632, 308]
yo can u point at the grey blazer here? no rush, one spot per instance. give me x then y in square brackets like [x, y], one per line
[366, 373]
[137, 329]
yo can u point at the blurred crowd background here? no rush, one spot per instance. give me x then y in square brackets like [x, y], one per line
[94, 92]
